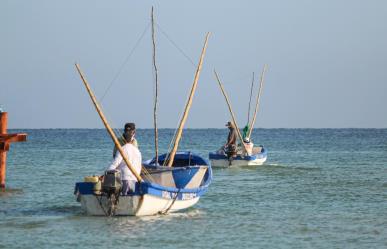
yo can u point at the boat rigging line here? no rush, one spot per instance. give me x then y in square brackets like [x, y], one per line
[170, 206]
[176, 46]
[189, 103]
[125, 62]
[135, 47]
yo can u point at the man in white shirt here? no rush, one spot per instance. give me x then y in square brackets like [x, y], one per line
[127, 177]
[127, 137]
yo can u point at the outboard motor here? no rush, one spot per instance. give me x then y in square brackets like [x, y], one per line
[111, 186]
[112, 182]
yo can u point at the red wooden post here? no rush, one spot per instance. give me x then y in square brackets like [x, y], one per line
[5, 140]
[3, 153]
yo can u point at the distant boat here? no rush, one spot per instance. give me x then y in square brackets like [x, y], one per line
[246, 154]
[221, 160]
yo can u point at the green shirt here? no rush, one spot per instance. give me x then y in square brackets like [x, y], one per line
[245, 131]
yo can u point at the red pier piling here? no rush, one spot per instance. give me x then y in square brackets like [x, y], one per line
[5, 140]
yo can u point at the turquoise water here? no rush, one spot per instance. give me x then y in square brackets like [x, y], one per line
[320, 188]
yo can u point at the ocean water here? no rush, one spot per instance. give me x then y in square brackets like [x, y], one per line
[320, 188]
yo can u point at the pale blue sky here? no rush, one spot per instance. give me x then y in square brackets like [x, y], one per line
[327, 62]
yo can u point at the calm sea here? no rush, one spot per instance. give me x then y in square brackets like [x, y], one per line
[320, 188]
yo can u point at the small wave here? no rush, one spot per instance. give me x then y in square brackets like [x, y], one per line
[53, 211]
[291, 167]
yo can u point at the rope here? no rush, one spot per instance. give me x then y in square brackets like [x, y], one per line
[100, 204]
[125, 61]
[176, 46]
[173, 202]
[122, 67]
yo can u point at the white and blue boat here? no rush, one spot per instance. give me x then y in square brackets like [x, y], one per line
[164, 189]
[221, 160]
[247, 154]
[159, 189]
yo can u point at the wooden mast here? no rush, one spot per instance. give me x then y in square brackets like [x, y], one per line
[257, 104]
[108, 128]
[230, 109]
[188, 105]
[156, 92]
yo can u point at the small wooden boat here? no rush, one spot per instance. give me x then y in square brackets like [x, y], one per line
[159, 189]
[164, 189]
[221, 160]
[246, 154]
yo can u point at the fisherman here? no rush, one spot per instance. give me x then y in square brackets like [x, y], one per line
[127, 137]
[231, 145]
[127, 177]
[248, 146]
[245, 132]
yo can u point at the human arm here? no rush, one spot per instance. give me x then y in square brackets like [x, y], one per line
[116, 161]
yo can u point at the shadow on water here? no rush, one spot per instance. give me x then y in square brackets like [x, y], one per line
[8, 192]
[65, 211]
[75, 211]
[26, 224]
[292, 167]
[271, 166]
[145, 225]
[56, 210]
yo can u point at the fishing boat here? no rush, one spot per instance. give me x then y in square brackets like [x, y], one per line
[164, 189]
[246, 154]
[168, 183]
[220, 159]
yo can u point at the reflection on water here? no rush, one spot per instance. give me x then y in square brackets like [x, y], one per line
[9, 192]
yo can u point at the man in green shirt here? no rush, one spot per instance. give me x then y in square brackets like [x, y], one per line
[245, 132]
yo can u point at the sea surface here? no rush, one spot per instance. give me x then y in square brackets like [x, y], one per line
[320, 188]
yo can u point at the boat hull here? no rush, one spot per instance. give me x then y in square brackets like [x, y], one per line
[164, 190]
[134, 205]
[222, 161]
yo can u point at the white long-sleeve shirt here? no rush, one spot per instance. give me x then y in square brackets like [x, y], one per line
[134, 156]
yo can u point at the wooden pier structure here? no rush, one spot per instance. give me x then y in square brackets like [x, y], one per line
[5, 141]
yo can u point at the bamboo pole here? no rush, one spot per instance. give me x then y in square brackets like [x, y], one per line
[258, 98]
[230, 109]
[188, 105]
[156, 92]
[251, 93]
[108, 128]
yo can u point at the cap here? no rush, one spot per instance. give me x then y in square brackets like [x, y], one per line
[130, 126]
[230, 124]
